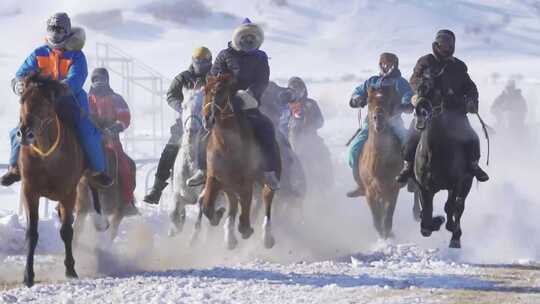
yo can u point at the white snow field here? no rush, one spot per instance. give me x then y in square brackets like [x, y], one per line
[330, 254]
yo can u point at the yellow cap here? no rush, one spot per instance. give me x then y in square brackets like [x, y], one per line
[202, 53]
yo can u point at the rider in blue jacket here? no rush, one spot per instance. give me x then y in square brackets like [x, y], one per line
[389, 76]
[62, 59]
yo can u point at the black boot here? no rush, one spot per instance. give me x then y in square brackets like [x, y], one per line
[406, 172]
[101, 180]
[13, 175]
[480, 174]
[155, 194]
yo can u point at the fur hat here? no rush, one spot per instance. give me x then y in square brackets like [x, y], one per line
[247, 28]
[76, 40]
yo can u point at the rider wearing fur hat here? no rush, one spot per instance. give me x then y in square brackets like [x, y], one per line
[249, 67]
[389, 75]
[459, 94]
[62, 59]
[194, 78]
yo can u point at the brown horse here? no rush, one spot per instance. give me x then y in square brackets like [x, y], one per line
[112, 202]
[52, 164]
[234, 163]
[381, 160]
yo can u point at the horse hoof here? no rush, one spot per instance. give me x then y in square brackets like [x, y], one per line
[246, 232]
[218, 215]
[28, 281]
[269, 242]
[425, 232]
[71, 274]
[455, 244]
[232, 243]
[437, 222]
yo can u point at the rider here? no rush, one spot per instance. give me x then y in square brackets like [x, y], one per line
[389, 75]
[110, 113]
[62, 59]
[194, 78]
[459, 94]
[251, 72]
[510, 101]
[300, 105]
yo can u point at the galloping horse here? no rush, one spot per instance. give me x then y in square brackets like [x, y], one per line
[440, 161]
[111, 199]
[234, 163]
[381, 160]
[186, 165]
[52, 164]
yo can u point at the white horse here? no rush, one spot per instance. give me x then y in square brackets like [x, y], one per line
[186, 164]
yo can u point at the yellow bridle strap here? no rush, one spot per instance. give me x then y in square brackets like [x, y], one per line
[56, 142]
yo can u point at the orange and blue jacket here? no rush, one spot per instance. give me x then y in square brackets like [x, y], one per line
[69, 67]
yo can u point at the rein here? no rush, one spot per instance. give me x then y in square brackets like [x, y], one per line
[56, 142]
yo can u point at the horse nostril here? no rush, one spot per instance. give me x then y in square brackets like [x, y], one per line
[19, 133]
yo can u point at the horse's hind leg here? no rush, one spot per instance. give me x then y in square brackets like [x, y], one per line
[230, 237]
[459, 202]
[244, 225]
[32, 218]
[66, 232]
[198, 223]
[268, 237]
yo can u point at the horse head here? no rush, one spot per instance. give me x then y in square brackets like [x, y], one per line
[426, 96]
[191, 115]
[38, 106]
[381, 107]
[218, 98]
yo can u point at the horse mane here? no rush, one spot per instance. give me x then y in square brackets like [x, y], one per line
[212, 83]
[45, 84]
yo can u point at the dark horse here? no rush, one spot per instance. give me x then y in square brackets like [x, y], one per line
[381, 160]
[234, 163]
[52, 164]
[441, 161]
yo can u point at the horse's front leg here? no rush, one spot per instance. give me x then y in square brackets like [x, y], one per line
[230, 237]
[31, 202]
[178, 215]
[66, 232]
[209, 197]
[244, 225]
[429, 223]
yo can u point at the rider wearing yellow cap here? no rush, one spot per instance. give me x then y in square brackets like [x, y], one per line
[192, 79]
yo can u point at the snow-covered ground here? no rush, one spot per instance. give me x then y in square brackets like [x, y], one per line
[330, 254]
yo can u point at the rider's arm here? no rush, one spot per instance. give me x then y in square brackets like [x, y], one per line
[123, 115]
[77, 73]
[405, 91]
[257, 87]
[316, 117]
[175, 95]
[418, 73]
[469, 88]
[359, 95]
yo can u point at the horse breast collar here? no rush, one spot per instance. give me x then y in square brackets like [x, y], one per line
[55, 144]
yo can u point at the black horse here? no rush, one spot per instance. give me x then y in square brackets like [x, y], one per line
[441, 160]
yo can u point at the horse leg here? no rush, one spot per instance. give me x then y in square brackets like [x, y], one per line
[210, 194]
[429, 223]
[178, 215]
[31, 201]
[230, 237]
[100, 222]
[455, 242]
[115, 224]
[197, 230]
[389, 208]
[244, 225]
[268, 237]
[376, 213]
[417, 211]
[66, 232]
[449, 208]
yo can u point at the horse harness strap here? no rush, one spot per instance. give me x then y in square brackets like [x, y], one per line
[55, 144]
